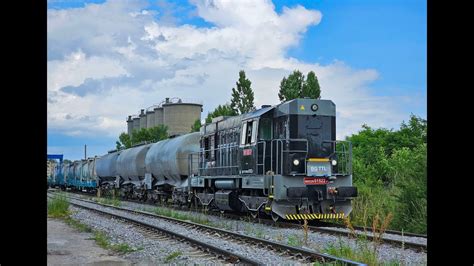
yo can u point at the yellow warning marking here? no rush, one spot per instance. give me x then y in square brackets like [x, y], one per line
[302, 107]
[312, 216]
[318, 160]
[270, 196]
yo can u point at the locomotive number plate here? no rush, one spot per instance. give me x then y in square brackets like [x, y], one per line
[315, 181]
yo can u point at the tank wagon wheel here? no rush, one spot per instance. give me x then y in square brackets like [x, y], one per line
[275, 217]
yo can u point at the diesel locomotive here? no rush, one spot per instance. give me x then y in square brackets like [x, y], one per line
[283, 161]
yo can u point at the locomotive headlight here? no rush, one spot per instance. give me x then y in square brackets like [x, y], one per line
[334, 162]
[314, 107]
[296, 162]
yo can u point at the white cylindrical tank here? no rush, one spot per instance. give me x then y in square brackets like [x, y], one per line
[167, 160]
[131, 163]
[106, 166]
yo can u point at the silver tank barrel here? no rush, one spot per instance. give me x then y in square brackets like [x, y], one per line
[105, 166]
[169, 158]
[131, 163]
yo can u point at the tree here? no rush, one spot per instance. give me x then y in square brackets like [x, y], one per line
[242, 97]
[295, 86]
[196, 126]
[221, 110]
[124, 141]
[153, 134]
[311, 87]
[157, 133]
[291, 87]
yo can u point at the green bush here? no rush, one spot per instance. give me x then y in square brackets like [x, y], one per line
[389, 170]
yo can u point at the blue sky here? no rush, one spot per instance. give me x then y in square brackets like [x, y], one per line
[368, 55]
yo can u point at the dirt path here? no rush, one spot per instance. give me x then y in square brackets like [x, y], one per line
[67, 246]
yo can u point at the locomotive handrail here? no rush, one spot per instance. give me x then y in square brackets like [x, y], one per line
[279, 153]
[221, 160]
[344, 157]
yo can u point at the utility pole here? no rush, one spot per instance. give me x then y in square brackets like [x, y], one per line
[85, 152]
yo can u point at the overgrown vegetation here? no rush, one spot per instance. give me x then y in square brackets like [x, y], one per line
[364, 251]
[58, 206]
[389, 170]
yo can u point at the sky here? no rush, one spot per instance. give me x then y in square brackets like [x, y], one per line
[109, 59]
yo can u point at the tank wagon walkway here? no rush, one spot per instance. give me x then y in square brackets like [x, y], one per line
[67, 246]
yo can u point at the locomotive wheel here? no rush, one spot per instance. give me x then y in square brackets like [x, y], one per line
[275, 217]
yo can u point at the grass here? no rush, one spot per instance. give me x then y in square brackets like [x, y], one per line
[361, 253]
[103, 241]
[58, 206]
[364, 251]
[78, 225]
[172, 256]
[110, 201]
[294, 240]
[199, 219]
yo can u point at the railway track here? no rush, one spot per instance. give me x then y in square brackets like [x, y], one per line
[299, 255]
[327, 227]
[368, 229]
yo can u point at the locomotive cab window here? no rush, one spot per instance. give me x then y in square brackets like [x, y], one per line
[249, 132]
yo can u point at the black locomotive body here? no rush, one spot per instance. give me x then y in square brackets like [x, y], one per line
[281, 160]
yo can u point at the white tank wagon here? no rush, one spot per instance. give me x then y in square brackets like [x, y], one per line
[131, 170]
[167, 160]
[106, 169]
[131, 163]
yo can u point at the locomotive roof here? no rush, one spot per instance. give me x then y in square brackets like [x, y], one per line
[296, 106]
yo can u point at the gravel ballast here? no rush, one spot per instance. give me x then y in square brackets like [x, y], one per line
[290, 236]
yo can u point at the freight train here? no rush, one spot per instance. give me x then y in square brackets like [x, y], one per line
[282, 161]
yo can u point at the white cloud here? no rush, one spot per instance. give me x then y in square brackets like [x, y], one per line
[106, 61]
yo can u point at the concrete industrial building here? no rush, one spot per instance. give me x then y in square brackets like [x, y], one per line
[177, 115]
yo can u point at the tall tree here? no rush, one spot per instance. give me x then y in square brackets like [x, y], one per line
[295, 86]
[221, 110]
[291, 87]
[242, 97]
[311, 87]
